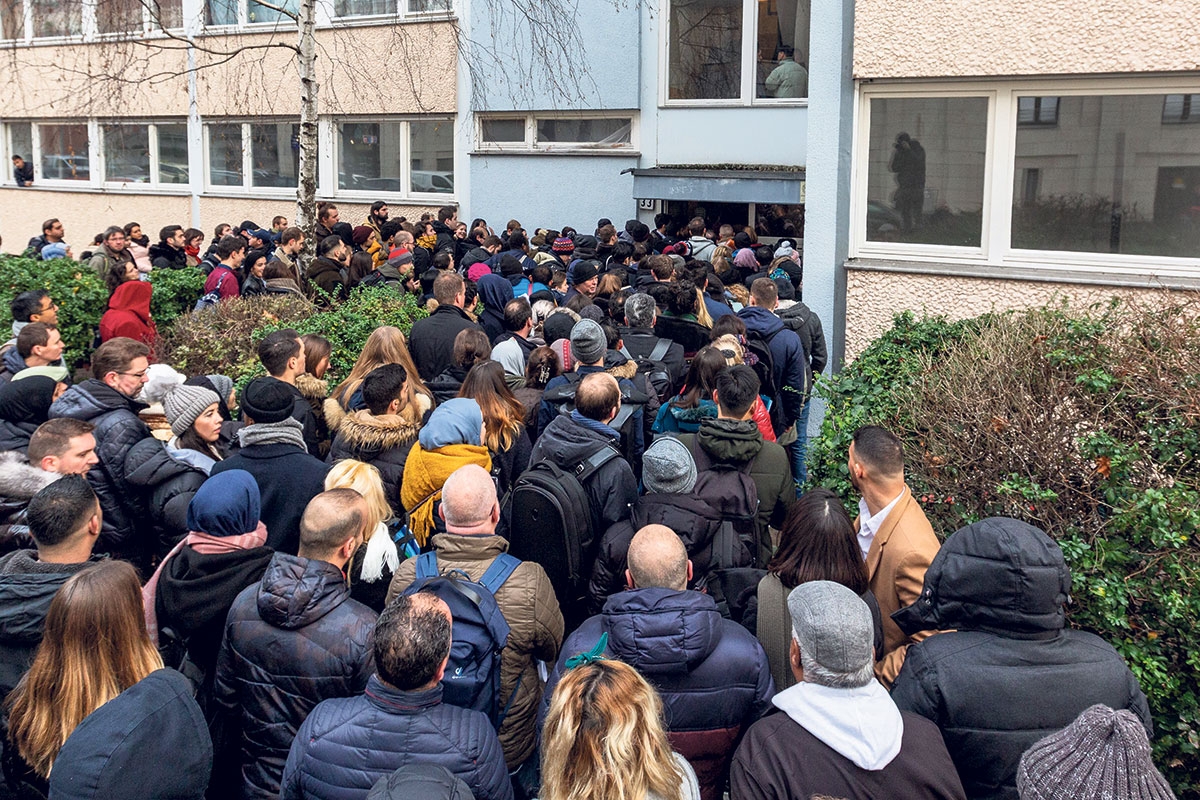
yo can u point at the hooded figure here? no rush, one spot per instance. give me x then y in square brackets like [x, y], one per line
[495, 291]
[223, 554]
[450, 439]
[24, 405]
[150, 742]
[1010, 672]
[128, 314]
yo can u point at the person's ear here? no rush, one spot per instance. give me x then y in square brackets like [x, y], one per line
[629, 580]
[394, 406]
[49, 463]
[794, 661]
[441, 670]
[495, 515]
[442, 511]
[689, 571]
[95, 524]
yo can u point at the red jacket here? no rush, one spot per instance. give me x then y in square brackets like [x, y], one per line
[762, 418]
[229, 286]
[128, 314]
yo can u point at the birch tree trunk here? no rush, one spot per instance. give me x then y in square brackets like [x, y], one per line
[306, 190]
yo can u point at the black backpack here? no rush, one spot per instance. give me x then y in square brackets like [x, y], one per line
[651, 365]
[552, 522]
[760, 346]
[632, 400]
[373, 278]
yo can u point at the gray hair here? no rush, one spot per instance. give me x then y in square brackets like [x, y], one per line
[823, 676]
[640, 310]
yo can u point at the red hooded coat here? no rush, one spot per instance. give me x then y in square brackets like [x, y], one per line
[128, 314]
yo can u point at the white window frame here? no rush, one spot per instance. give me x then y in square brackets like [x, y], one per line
[6, 142]
[93, 180]
[247, 188]
[89, 26]
[532, 145]
[402, 12]
[749, 65]
[155, 185]
[329, 155]
[996, 248]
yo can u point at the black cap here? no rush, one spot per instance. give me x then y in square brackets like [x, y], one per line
[267, 400]
[585, 272]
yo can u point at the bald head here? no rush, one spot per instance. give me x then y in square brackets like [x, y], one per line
[330, 521]
[657, 558]
[598, 396]
[469, 501]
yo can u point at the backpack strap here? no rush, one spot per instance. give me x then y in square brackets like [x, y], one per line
[427, 565]
[586, 468]
[660, 349]
[499, 571]
[724, 543]
[623, 350]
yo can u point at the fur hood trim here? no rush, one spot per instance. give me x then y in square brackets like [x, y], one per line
[20, 479]
[335, 415]
[364, 431]
[626, 370]
[312, 388]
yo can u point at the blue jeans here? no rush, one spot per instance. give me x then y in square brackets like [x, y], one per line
[798, 450]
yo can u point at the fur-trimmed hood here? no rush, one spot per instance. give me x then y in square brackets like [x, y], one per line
[312, 388]
[335, 415]
[21, 480]
[364, 432]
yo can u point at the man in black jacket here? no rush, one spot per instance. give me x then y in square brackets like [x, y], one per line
[1011, 672]
[120, 366]
[64, 520]
[274, 452]
[282, 354]
[839, 733]
[640, 340]
[432, 338]
[292, 640]
[169, 252]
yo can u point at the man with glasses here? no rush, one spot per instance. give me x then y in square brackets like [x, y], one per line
[27, 307]
[113, 251]
[119, 367]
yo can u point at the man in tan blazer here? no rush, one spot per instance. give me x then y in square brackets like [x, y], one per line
[897, 541]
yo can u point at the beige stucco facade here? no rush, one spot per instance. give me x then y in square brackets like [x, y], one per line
[874, 297]
[966, 38]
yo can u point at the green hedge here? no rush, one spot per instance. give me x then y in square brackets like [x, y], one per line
[175, 292]
[1083, 423]
[81, 296]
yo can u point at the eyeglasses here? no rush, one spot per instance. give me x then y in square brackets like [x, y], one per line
[138, 375]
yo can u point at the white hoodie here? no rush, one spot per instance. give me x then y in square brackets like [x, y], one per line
[863, 724]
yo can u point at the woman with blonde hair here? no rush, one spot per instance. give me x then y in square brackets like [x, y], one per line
[604, 737]
[94, 647]
[385, 345]
[371, 567]
[504, 432]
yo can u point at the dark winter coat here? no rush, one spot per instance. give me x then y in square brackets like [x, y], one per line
[382, 440]
[735, 442]
[807, 325]
[287, 478]
[346, 745]
[19, 482]
[164, 256]
[303, 412]
[293, 639]
[26, 588]
[446, 385]
[640, 343]
[10, 364]
[432, 339]
[327, 276]
[24, 405]
[692, 519]
[1011, 673]
[791, 365]
[611, 489]
[170, 482]
[689, 335]
[445, 237]
[711, 674]
[118, 429]
[780, 760]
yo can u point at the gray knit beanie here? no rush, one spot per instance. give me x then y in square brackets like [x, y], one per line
[588, 342]
[184, 404]
[668, 467]
[222, 383]
[1102, 755]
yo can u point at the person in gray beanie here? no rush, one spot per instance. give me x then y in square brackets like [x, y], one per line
[669, 475]
[712, 674]
[836, 731]
[1102, 755]
[588, 342]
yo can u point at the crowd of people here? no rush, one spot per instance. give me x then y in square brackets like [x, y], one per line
[553, 543]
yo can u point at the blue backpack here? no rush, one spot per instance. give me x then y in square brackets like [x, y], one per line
[479, 633]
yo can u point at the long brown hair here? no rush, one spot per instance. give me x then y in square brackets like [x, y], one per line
[701, 379]
[385, 345]
[605, 739]
[817, 543]
[503, 414]
[95, 646]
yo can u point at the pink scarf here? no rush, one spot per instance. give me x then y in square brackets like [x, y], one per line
[206, 545]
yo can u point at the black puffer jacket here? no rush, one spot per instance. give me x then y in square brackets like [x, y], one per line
[164, 256]
[1011, 673]
[291, 640]
[807, 325]
[118, 429]
[695, 521]
[169, 482]
[383, 441]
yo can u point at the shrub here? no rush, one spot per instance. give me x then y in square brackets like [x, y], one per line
[1081, 423]
[221, 339]
[79, 292]
[175, 292]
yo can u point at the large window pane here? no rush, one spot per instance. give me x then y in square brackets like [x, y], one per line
[427, 6]
[585, 132]
[56, 18]
[1114, 176]
[119, 16]
[275, 150]
[260, 13]
[508, 131]
[12, 19]
[782, 54]
[779, 221]
[20, 140]
[370, 156]
[166, 14]
[925, 170]
[705, 50]
[126, 153]
[225, 155]
[64, 152]
[432, 156]
[363, 8]
[172, 154]
[221, 12]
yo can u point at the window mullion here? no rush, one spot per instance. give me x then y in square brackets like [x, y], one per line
[95, 152]
[247, 157]
[1002, 169]
[749, 50]
[406, 158]
[88, 21]
[152, 143]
